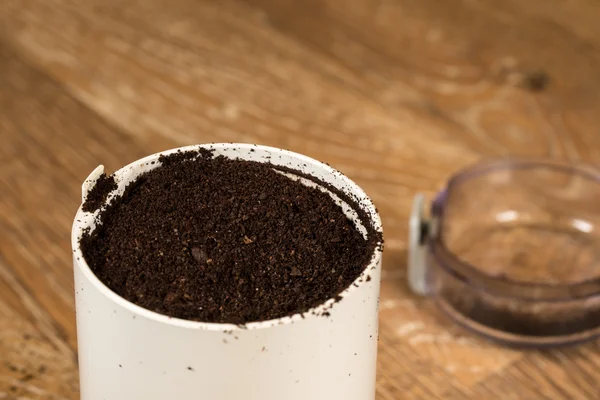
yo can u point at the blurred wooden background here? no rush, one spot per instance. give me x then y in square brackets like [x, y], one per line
[397, 94]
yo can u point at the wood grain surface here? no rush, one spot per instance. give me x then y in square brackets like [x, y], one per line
[398, 94]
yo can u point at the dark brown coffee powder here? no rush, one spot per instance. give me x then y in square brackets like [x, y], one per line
[220, 240]
[97, 196]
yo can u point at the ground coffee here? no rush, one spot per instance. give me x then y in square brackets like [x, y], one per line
[220, 240]
[97, 196]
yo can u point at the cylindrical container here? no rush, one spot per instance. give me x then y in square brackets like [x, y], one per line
[511, 252]
[127, 352]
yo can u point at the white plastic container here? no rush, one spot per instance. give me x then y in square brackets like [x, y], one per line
[129, 353]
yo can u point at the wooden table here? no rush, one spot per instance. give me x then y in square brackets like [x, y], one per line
[397, 94]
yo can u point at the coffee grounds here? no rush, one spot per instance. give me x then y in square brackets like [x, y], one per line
[214, 239]
[97, 196]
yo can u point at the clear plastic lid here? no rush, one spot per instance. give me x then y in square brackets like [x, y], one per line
[511, 250]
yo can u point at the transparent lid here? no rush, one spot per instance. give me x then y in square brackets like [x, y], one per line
[511, 250]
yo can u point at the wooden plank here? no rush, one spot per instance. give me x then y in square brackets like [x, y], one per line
[36, 361]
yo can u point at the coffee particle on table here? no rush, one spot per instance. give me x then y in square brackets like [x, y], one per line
[98, 194]
[213, 239]
[11, 367]
[536, 81]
